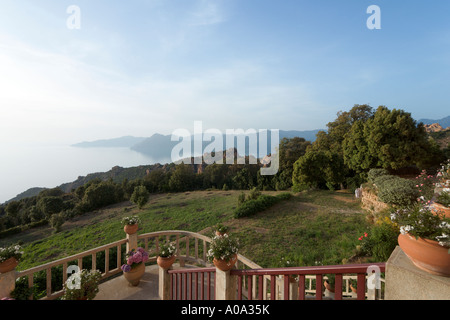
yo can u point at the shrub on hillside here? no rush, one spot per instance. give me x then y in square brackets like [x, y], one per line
[397, 191]
[375, 173]
[253, 206]
[140, 196]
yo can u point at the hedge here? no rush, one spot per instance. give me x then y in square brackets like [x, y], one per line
[253, 206]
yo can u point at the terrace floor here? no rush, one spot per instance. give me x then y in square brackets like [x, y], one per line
[119, 289]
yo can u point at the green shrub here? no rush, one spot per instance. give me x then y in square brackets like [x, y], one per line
[253, 206]
[397, 191]
[375, 173]
[444, 199]
[140, 196]
[381, 180]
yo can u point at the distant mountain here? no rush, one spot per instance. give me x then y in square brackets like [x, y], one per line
[161, 146]
[27, 194]
[444, 122]
[122, 142]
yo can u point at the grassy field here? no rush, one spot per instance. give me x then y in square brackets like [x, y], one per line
[315, 227]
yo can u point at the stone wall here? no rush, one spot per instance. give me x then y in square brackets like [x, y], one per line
[370, 201]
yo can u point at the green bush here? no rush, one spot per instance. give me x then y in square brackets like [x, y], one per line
[140, 196]
[253, 206]
[375, 173]
[381, 180]
[397, 191]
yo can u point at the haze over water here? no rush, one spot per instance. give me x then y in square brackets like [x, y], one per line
[48, 166]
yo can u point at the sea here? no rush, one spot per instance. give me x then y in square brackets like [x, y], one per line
[48, 166]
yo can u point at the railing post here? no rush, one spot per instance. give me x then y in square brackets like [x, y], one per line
[225, 285]
[165, 284]
[132, 241]
[7, 283]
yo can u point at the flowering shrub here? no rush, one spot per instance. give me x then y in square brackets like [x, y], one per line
[82, 285]
[444, 172]
[424, 184]
[10, 252]
[444, 199]
[131, 220]
[221, 228]
[167, 250]
[223, 248]
[420, 221]
[134, 258]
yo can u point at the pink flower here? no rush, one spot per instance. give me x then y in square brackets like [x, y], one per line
[137, 257]
[365, 234]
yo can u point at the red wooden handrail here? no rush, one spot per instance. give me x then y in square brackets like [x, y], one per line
[185, 283]
[339, 270]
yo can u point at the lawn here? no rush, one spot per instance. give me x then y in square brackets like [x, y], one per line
[314, 227]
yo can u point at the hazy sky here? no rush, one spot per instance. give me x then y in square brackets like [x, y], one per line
[139, 67]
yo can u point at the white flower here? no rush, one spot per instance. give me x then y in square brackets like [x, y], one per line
[405, 229]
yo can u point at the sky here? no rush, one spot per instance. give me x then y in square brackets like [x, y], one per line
[141, 67]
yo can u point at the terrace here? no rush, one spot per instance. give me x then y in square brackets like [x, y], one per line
[193, 278]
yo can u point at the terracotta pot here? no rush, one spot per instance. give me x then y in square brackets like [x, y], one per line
[426, 254]
[8, 265]
[225, 265]
[165, 263]
[134, 276]
[131, 228]
[328, 286]
[437, 207]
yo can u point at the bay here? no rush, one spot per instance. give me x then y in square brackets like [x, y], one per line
[47, 166]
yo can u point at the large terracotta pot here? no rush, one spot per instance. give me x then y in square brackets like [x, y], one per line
[328, 286]
[8, 265]
[134, 276]
[225, 265]
[131, 228]
[437, 207]
[427, 255]
[165, 263]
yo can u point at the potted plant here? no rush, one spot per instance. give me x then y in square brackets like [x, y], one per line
[425, 238]
[223, 252]
[166, 255]
[329, 282]
[131, 224]
[10, 257]
[82, 285]
[354, 285]
[442, 203]
[286, 263]
[442, 200]
[221, 229]
[134, 269]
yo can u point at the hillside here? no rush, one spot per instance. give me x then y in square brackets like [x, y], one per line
[316, 226]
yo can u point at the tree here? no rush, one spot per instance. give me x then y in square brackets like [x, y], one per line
[140, 196]
[390, 139]
[50, 205]
[182, 179]
[56, 221]
[318, 169]
[290, 150]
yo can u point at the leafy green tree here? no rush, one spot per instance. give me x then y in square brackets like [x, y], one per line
[318, 169]
[140, 196]
[182, 179]
[390, 139]
[290, 150]
[56, 222]
[50, 205]
[13, 207]
[102, 194]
